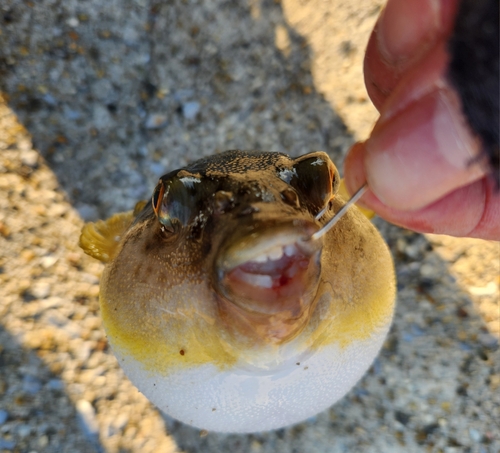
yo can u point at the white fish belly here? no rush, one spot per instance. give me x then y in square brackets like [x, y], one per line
[249, 399]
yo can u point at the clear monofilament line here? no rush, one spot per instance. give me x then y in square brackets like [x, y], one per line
[321, 213]
[331, 223]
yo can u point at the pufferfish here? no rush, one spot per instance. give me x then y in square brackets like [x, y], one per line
[222, 310]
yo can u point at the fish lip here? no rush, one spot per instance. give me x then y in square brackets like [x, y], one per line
[265, 294]
[265, 239]
[271, 298]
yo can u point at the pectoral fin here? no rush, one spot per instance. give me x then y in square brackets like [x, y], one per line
[100, 239]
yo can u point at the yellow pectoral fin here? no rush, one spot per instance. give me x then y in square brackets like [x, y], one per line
[100, 239]
[346, 195]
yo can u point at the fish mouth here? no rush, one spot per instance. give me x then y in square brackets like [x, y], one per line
[271, 276]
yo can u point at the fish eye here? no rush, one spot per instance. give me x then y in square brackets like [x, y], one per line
[316, 179]
[174, 203]
[157, 197]
[157, 200]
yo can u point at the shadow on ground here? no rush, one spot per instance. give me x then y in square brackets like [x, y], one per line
[43, 413]
[115, 94]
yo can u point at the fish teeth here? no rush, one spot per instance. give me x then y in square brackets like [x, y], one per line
[264, 281]
[290, 250]
[275, 253]
[260, 258]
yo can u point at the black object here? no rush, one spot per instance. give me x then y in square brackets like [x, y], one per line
[474, 72]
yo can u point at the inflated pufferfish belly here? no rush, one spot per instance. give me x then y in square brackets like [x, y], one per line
[219, 307]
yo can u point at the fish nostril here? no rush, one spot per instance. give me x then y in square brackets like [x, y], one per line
[247, 210]
[223, 201]
[290, 197]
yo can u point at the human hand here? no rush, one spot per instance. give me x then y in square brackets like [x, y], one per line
[424, 165]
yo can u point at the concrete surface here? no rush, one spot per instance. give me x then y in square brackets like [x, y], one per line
[101, 98]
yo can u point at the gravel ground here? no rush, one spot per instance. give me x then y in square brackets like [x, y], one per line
[99, 99]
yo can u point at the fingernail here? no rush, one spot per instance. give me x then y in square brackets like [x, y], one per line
[422, 154]
[405, 26]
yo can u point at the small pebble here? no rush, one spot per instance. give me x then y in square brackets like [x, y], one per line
[181, 95]
[48, 261]
[6, 444]
[377, 367]
[118, 424]
[130, 35]
[29, 157]
[155, 121]
[359, 392]
[402, 417]
[190, 109]
[87, 418]
[73, 22]
[49, 99]
[488, 340]
[427, 270]
[31, 384]
[43, 441]
[23, 431]
[4, 415]
[475, 435]
[40, 290]
[412, 251]
[72, 329]
[55, 384]
[71, 114]
[83, 352]
[488, 290]
[121, 421]
[465, 346]
[102, 117]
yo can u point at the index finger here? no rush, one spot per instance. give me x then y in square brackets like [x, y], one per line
[405, 32]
